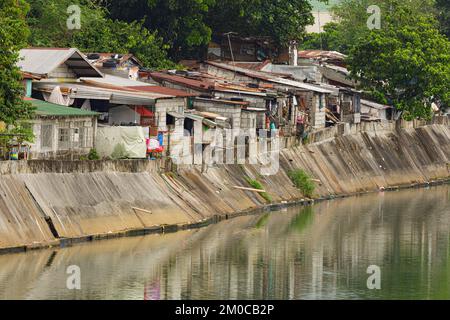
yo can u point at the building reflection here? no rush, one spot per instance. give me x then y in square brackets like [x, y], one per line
[319, 252]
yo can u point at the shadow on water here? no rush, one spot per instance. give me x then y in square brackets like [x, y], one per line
[317, 252]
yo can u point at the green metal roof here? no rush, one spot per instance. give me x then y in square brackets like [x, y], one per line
[47, 109]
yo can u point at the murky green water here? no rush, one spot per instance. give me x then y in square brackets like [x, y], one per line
[319, 252]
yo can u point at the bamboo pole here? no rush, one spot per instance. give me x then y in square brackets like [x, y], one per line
[249, 189]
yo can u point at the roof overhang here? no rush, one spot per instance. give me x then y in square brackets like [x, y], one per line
[43, 61]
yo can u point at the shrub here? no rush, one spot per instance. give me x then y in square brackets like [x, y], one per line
[302, 181]
[93, 155]
[257, 185]
[119, 152]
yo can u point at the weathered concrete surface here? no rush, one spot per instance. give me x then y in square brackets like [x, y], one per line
[21, 221]
[97, 199]
[368, 161]
[98, 203]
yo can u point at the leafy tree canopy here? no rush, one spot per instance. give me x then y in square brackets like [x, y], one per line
[443, 9]
[13, 37]
[98, 33]
[281, 20]
[352, 27]
[181, 23]
[188, 24]
[406, 62]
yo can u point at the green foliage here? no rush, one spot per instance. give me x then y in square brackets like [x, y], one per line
[93, 155]
[352, 27]
[119, 152]
[181, 23]
[257, 185]
[302, 181]
[13, 37]
[303, 220]
[23, 131]
[262, 221]
[283, 21]
[98, 32]
[330, 39]
[443, 13]
[406, 63]
[188, 24]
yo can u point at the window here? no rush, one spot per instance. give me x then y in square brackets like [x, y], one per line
[79, 137]
[64, 138]
[46, 136]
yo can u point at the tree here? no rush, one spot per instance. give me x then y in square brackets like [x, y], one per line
[443, 10]
[181, 23]
[13, 37]
[98, 33]
[352, 27]
[187, 25]
[330, 39]
[406, 62]
[280, 20]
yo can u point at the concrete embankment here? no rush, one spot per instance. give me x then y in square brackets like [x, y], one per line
[45, 203]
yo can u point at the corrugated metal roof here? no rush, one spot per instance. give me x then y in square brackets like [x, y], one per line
[257, 66]
[163, 90]
[43, 61]
[206, 82]
[80, 91]
[110, 80]
[211, 115]
[193, 117]
[223, 101]
[47, 109]
[300, 85]
[191, 83]
[267, 76]
[375, 105]
[321, 54]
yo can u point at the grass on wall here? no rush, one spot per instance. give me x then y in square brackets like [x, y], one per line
[302, 181]
[257, 185]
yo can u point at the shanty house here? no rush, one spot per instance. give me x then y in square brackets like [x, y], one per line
[285, 109]
[199, 84]
[61, 131]
[225, 108]
[371, 111]
[69, 78]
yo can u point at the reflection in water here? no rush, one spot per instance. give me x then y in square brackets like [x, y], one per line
[319, 252]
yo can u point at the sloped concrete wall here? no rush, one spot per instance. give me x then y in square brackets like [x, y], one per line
[21, 220]
[369, 161]
[82, 199]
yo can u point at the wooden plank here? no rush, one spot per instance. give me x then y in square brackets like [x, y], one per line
[249, 189]
[139, 209]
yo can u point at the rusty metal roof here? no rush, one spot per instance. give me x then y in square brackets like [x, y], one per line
[191, 83]
[224, 101]
[269, 77]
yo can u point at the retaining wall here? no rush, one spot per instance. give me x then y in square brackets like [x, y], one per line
[50, 202]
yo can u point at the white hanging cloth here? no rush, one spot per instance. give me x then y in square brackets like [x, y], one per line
[86, 105]
[57, 97]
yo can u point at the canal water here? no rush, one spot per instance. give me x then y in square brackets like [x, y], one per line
[318, 252]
